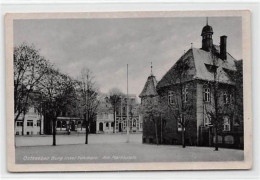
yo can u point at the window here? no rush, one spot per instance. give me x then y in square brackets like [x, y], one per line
[171, 97]
[38, 123]
[107, 125]
[207, 120]
[125, 124]
[185, 94]
[58, 124]
[179, 126]
[64, 124]
[116, 124]
[30, 123]
[227, 98]
[206, 95]
[19, 123]
[226, 123]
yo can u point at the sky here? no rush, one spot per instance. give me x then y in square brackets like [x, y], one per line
[106, 46]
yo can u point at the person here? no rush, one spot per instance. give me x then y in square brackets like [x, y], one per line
[69, 131]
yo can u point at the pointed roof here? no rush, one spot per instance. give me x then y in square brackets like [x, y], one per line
[200, 65]
[149, 87]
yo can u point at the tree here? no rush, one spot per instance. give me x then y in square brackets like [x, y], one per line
[114, 98]
[29, 68]
[152, 110]
[88, 98]
[219, 108]
[178, 104]
[57, 91]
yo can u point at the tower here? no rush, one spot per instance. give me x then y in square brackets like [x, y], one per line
[149, 92]
[207, 41]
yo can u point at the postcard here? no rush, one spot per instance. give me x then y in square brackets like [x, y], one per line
[128, 91]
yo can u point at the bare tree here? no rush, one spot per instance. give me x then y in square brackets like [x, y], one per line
[221, 104]
[178, 104]
[56, 89]
[29, 68]
[114, 98]
[88, 98]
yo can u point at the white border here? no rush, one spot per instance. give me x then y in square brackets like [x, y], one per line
[134, 7]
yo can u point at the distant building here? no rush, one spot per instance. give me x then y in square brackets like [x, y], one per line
[189, 85]
[30, 124]
[31, 121]
[105, 116]
[135, 119]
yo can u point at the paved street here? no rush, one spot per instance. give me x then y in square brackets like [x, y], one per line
[112, 148]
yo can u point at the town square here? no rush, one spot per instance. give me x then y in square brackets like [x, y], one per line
[140, 90]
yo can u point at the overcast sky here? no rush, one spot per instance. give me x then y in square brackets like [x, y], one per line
[105, 46]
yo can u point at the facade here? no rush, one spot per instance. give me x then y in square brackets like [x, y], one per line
[30, 124]
[202, 82]
[135, 119]
[105, 116]
[71, 125]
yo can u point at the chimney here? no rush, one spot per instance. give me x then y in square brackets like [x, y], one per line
[223, 47]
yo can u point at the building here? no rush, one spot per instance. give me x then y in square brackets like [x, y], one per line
[30, 123]
[188, 94]
[135, 119]
[71, 125]
[105, 116]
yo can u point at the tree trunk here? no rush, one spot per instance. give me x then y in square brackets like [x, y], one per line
[54, 131]
[156, 133]
[114, 120]
[87, 130]
[183, 136]
[216, 139]
[23, 123]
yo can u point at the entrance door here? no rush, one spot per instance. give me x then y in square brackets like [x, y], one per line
[120, 127]
[101, 126]
[72, 126]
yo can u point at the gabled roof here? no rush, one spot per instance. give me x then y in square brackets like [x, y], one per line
[149, 87]
[201, 63]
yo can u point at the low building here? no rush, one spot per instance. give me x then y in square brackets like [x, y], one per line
[69, 125]
[31, 123]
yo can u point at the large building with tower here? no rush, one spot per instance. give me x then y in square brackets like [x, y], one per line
[201, 79]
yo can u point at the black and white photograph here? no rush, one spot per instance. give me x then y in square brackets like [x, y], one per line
[129, 91]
